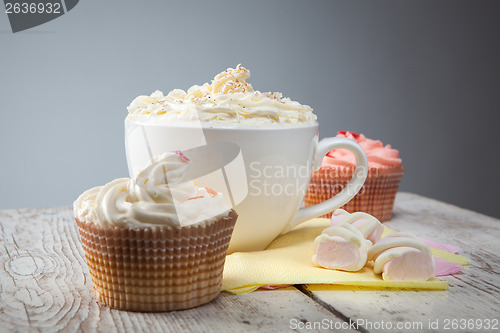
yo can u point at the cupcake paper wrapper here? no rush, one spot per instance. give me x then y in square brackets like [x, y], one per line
[376, 197]
[157, 269]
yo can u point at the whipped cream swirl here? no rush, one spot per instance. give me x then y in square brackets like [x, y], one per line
[161, 194]
[229, 101]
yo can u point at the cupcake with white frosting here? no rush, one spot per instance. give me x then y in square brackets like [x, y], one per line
[377, 195]
[157, 242]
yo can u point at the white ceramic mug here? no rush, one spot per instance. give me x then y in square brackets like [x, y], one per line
[265, 180]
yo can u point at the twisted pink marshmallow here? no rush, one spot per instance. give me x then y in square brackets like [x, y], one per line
[341, 247]
[370, 227]
[344, 245]
[402, 256]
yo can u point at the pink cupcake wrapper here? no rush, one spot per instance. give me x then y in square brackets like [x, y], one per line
[376, 197]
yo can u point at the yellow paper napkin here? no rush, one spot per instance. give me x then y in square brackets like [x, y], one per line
[287, 260]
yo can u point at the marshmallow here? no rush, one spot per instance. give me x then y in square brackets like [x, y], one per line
[402, 256]
[370, 227]
[344, 245]
[341, 247]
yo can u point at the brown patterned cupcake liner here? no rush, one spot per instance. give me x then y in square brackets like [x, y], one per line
[376, 197]
[157, 269]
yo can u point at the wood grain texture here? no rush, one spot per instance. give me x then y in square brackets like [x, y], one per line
[473, 293]
[45, 286]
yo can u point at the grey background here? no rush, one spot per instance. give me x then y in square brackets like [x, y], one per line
[423, 76]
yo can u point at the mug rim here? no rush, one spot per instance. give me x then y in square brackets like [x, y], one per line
[223, 128]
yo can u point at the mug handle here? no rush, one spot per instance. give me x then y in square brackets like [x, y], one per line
[341, 198]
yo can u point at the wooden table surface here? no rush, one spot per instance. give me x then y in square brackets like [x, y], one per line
[45, 285]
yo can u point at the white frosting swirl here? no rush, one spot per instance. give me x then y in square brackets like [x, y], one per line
[228, 101]
[160, 195]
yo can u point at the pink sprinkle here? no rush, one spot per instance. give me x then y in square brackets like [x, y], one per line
[184, 157]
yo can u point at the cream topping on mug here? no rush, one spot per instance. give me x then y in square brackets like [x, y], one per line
[228, 101]
[379, 156]
[160, 195]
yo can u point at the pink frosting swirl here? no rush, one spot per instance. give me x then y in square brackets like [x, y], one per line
[379, 156]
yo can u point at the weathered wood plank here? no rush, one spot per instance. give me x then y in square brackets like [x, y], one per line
[474, 293]
[45, 286]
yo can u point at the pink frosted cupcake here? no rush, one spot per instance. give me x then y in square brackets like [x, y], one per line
[376, 197]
